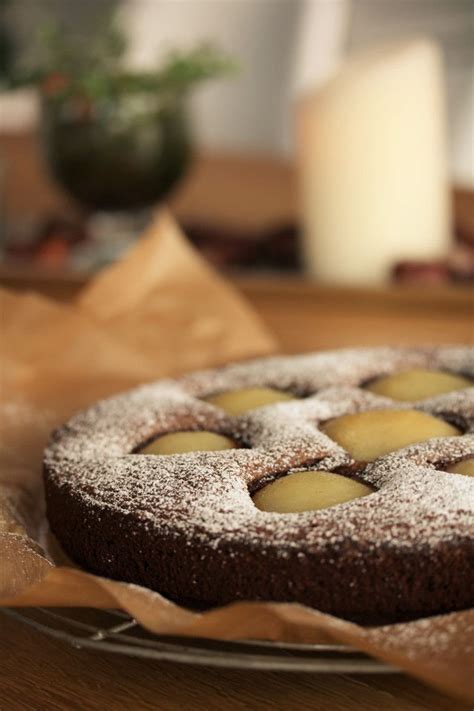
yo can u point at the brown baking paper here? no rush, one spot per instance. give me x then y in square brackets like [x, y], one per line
[159, 312]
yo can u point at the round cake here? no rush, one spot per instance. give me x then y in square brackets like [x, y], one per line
[341, 480]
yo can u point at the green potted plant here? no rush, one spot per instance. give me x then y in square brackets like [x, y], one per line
[115, 139]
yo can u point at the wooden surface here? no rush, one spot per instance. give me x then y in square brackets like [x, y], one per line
[39, 673]
[306, 316]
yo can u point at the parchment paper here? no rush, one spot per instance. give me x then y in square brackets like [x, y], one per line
[161, 311]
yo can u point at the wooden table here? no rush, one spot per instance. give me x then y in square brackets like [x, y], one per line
[305, 316]
[41, 673]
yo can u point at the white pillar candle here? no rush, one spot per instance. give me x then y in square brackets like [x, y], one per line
[373, 172]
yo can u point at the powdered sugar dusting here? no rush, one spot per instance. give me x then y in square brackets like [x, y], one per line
[204, 496]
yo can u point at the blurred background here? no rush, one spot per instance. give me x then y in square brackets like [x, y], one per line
[331, 138]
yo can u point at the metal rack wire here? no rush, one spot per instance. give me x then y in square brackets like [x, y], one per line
[115, 631]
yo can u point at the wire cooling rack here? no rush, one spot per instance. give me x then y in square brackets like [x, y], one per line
[115, 631]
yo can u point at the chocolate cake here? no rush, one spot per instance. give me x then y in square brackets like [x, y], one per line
[186, 524]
